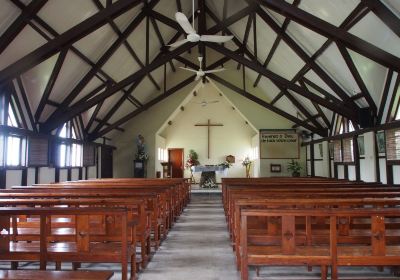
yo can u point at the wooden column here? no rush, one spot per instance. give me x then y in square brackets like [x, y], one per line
[356, 155]
[312, 155]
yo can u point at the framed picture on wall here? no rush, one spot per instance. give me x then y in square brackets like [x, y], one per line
[380, 141]
[276, 168]
[361, 146]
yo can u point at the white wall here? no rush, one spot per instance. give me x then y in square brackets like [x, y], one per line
[233, 138]
[321, 165]
[149, 122]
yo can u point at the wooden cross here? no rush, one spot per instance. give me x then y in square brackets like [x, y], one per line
[208, 124]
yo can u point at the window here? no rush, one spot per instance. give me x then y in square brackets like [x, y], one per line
[348, 152]
[398, 113]
[11, 120]
[69, 154]
[162, 154]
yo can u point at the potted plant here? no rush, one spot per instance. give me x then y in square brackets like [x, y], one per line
[294, 167]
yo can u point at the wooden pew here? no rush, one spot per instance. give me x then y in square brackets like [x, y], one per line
[82, 250]
[158, 205]
[345, 228]
[334, 253]
[105, 230]
[55, 275]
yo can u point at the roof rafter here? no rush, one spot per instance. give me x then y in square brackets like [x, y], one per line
[67, 38]
[282, 81]
[81, 107]
[265, 104]
[145, 107]
[50, 83]
[104, 58]
[307, 59]
[330, 31]
[18, 25]
[126, 44]
[390, 19]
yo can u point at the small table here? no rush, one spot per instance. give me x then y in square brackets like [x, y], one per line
[208, 178]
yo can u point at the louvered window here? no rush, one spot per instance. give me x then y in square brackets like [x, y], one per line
[38, 151]
[337, 151]
[348, 153]
[88, 155]
[393, 144]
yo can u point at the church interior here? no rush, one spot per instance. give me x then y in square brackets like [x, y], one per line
[200, 139]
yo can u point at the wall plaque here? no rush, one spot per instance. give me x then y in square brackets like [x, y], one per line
[279, 144]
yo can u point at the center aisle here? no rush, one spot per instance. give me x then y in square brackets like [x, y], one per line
[197, 247]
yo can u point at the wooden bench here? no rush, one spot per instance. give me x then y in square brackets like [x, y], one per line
[82, 249]
[334, 253]
[102, 228]
[54, 275]
[257, 227]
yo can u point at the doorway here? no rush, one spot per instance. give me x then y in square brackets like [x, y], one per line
[175, 159]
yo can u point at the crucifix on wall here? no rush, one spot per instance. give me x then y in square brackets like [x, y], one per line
[208, 124]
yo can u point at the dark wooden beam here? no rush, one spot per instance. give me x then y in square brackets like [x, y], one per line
[145, 107]
[126, 44]
[104, 58]
[283, 82]
[384, 14]
[18, 107]
[108, 124]
[306, 58]
[265, 104]
[67, 38]
[26, 103]
[93, 117]
[160, 39]
[357, 77]
[116, 106]
[385, 95]
[331, 31]
[275, 44]
[356, 15]
[19, 23]
[50, 83]
[80, 107]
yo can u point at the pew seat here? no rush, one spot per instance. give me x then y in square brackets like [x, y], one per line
[54, 275]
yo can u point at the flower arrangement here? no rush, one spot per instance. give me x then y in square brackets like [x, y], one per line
[246, 162]
[192, 160]
[209, 184]
[294, 167]
[225, 164]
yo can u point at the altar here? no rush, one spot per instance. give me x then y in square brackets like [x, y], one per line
[208, 178]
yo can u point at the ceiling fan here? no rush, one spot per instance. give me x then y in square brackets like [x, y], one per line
[192, 34]
[204, 103]
[200, 73]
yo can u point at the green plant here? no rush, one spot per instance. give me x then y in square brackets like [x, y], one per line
[192, 160]
[294, 167]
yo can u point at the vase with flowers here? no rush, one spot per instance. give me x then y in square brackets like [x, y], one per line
[247, 164]
[192, 160]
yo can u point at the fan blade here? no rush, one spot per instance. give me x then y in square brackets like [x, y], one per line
[214, 70]
[184, 23]
[215, 38]
[215, 101]
[178, 44]
[188, 69]
[197, 78]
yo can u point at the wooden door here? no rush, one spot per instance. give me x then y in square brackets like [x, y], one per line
[175, 159]
[106, 162]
